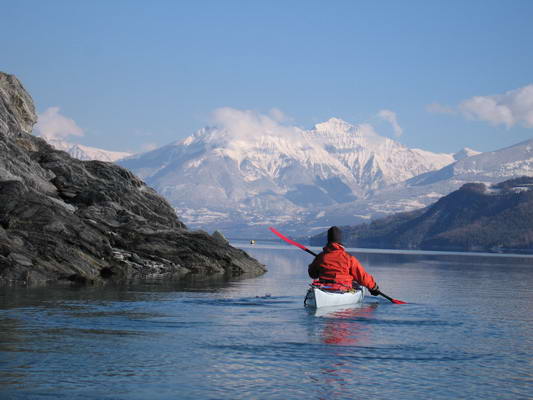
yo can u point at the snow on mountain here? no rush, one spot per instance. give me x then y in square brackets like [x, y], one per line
[464, 153]
[260, 172]
[215, 168]
[489, 167]
[425, 189]
[375, 161]
[85, 152]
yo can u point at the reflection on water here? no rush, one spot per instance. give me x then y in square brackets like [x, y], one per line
[345, 326]
[466, 333]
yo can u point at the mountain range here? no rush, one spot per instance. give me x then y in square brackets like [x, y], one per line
[422, 190]
[240, 181]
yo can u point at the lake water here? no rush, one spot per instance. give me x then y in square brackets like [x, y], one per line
[466, 333]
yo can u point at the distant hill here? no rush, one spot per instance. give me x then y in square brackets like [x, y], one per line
[476, 217]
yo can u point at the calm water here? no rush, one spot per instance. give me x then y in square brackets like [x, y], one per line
[467, 333]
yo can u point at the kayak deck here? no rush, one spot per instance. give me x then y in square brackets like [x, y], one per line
[317, 297]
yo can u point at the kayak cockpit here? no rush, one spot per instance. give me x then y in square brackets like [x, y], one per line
[318, 297]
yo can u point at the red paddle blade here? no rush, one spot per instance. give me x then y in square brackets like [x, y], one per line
[391, 299]
[398, 301]
[278, 234]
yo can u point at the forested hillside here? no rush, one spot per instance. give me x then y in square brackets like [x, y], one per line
[473, 218]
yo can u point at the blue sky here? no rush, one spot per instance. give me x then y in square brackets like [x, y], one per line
[130, 75]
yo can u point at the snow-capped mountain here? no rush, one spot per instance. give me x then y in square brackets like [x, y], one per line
[489, 167]
[82, 152]
[274, 173]
[374, 161]
[422, 190]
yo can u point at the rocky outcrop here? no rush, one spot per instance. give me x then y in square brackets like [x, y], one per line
[63, 219]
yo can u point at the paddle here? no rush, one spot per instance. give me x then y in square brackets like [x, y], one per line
[301, 246]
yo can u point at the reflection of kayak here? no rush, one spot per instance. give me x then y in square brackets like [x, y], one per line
[318, 297]
[342, 312]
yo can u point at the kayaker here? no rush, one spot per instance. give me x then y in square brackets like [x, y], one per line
[340, 270]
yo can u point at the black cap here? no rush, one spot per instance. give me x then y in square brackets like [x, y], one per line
[334, 235]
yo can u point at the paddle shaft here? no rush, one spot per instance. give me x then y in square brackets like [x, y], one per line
[310, 252]
[387, 297]
[301, 246]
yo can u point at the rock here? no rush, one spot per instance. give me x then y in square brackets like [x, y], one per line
[62, 219]
[20, 259]
[16, 108]
[219, 237]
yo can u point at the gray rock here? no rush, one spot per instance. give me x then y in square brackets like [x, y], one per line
[20, 259]
[16, 108]
[219, 237]
[62, 219]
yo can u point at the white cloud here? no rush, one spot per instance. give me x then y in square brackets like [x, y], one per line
[245, 123]
[53, 125]
[367, 130]
[390, 116]
[510, 108]
[148, 147]
[437, 108]
[278, 115]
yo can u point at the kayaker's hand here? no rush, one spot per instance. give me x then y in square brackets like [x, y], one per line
[375, 290]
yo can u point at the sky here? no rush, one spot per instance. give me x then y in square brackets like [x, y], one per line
[135, 75]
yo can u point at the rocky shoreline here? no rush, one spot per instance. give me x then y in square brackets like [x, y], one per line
[66, 220]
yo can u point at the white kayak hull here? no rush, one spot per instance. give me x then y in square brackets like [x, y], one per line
[318, 298]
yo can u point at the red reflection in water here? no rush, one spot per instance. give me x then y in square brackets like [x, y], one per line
[345, 327]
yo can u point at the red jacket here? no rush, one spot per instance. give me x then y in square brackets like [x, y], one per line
[335, 264]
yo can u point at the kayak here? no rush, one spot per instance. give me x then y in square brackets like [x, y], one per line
[317, 297]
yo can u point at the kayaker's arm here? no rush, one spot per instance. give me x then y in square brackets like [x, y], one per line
[359, 273]
[375, 290]
[314, 268]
